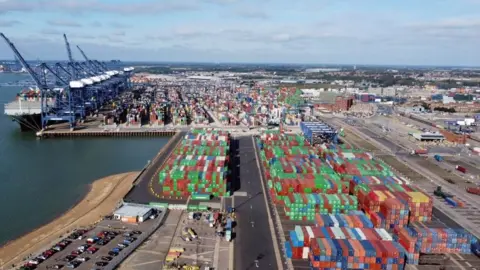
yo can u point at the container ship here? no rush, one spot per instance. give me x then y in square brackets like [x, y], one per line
[26, 109]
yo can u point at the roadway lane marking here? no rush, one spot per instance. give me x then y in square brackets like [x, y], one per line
[270, 222]
[457, 263]
[468, 264]
[230, 254]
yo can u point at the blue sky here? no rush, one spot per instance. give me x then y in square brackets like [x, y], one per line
[416, 32]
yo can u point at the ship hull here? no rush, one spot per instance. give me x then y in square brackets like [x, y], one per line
[28, 123]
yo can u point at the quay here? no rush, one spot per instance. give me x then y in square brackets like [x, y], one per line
[97, 132]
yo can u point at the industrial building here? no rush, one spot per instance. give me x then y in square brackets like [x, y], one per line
[428, 136]
[133, 214]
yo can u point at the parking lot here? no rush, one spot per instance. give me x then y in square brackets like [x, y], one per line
[152, 253]
[200, 251]
[87, 259]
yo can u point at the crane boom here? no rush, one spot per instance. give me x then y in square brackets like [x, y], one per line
[69, 50]
[45, 66]
[24, 63]
[84, 55]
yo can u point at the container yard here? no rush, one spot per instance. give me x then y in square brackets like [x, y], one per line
[197, 167]
[342, 207]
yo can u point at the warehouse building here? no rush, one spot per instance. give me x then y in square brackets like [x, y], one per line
[427, 136]
[133, 214]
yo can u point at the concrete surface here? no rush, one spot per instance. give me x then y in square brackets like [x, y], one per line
[151, 254]
[141, 193]
[253, 236]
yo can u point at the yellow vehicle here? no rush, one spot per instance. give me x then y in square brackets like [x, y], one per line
[191, 267]
[192, 233]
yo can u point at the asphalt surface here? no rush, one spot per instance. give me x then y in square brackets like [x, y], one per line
[253, 239]
[140, 193]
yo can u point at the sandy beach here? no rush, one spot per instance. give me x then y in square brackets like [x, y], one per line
[101, 200]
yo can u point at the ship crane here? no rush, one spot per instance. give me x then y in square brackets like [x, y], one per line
[55, 103]
[94, 84]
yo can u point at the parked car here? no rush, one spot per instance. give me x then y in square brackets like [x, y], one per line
[113, 253]
[73, 264]
[57, 266]
[82, 259]
[92, 250]
[70, 258]
[107, 258]
[102, 263]
[136, 232]
[102, 242]
[77, 252]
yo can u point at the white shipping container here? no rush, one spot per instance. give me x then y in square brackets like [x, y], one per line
[384, 234]
[340, 235]
[376, 180]
[305, 252]
[310, 232]
[360, 232]
[299, 231]
[335, 221]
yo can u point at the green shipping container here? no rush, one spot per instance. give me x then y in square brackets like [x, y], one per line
[199, 196]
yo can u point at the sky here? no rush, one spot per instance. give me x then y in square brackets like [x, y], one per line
[401, 32]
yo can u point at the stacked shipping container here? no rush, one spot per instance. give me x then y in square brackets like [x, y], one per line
[326, 184]
[198, 166]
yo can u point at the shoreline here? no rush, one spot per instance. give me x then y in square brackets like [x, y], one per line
[77, 202]
[102, 197]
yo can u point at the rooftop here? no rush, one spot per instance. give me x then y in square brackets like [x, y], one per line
[132, 211]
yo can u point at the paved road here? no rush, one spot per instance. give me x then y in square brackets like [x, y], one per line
[141, 192]
[253, 237]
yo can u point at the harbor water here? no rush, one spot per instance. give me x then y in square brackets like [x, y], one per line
[41, 179]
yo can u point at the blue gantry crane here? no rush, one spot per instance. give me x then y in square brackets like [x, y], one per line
[57, 103]
[70, 91]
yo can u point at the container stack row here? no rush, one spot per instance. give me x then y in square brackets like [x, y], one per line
[362, 215]
[352, 219]
[420, 239]
[314, 131]
[198, 166]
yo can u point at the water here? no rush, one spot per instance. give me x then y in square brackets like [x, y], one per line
[41, 179]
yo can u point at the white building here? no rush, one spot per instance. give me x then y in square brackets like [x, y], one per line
[133, 214]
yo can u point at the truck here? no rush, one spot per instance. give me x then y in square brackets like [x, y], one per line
[438, 158]
[228, 226]
[473, 190]
[439, 193]
[461, 169]
[476, 249]
[419, 152]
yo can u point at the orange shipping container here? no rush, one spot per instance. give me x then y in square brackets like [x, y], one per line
[129, 219]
